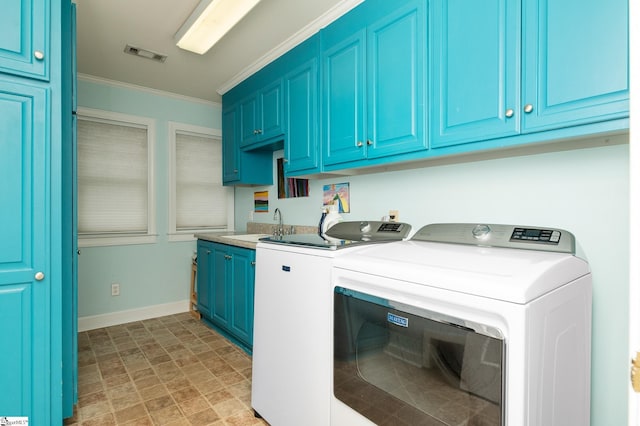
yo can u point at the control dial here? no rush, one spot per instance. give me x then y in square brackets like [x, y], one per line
[481, 232]
[365, 227]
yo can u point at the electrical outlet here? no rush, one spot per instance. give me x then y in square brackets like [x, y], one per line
[394, 215]
[115, 289]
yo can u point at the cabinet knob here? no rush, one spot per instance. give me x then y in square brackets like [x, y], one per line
[39, 276]
[528, 108]
[369, 142]
[509, 113]
[226, 256]
[253, 263]
[359, 144]
[38, 54]
[284, 160]
[208, 251]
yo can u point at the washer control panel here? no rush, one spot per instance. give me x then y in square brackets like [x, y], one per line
[369, 230]
[507, 236]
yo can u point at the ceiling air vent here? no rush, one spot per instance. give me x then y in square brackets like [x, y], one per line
[144, 53]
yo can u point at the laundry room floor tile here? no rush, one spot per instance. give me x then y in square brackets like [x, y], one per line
[172, 370]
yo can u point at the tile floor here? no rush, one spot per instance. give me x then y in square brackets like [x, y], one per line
[172, 370]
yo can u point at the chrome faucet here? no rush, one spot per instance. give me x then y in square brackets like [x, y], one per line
[277, 215]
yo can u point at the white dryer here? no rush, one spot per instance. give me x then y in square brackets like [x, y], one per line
[463, 324]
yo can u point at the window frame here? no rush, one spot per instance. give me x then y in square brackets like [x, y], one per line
[173, 234]
[116, 118]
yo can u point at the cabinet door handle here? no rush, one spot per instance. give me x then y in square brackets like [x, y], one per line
[528, 108]
[208, 251]
[226, 256]
[369, 142]
[509, 113]
[39, 276]
[253, 263]
[359, 144]
[38, 54]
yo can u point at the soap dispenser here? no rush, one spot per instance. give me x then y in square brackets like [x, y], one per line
[330, 217]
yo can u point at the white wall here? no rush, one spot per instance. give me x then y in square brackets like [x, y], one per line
[585, 191]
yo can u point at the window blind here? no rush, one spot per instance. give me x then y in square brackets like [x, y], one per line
[112, 178]
[201, 199]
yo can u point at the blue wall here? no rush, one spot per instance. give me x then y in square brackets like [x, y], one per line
[585, 191]
[149, 274]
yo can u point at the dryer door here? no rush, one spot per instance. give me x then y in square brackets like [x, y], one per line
[399, 367]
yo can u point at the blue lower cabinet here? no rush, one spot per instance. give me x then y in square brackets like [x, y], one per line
[225, 286]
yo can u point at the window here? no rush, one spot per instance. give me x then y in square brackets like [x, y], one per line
[116, 197]
[198, 200]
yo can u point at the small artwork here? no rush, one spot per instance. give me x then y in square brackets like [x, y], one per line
[261, 201]
[337, 193]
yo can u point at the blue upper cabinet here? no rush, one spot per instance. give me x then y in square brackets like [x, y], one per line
[261, 115]
[474, 63]
[373, 83]
[302, 133]
[575, 62]
[239, 167]
[501, 68]
[24, 44]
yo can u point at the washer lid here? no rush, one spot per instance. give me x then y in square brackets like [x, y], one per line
[517, 276]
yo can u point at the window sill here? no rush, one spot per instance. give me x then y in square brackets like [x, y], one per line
[120, 240]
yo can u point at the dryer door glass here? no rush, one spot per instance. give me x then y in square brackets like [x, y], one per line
[401, 365]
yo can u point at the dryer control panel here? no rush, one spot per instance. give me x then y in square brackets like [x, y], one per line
[492, 235]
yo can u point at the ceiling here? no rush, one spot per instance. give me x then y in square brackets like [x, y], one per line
[105, 27]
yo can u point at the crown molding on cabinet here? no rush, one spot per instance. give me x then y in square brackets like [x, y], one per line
[315, 26]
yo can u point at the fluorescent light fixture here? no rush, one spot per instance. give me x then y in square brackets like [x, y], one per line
[211, 20]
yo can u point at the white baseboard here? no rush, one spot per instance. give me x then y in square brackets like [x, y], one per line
[122, 317]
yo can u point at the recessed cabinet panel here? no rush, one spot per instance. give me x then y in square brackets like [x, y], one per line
[474, 75]
[396, 80]
[576, 64]
[24, 47]
[301, 100]
[230, 154]
[344, 86]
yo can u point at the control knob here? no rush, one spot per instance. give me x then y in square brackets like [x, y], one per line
[365, 227]
[481, 232]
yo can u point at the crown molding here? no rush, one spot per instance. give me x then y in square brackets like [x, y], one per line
[302, 35]
[129, 86]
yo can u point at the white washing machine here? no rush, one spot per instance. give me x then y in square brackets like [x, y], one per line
[463, 325]
[291, 383]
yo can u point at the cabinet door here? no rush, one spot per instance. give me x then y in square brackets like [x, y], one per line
[474, 70]
[26, 275]
[204, 278]
[248, 121]
[24, 47]
[396, 82]
[575, 62]
[344, 98]
[301, 100]
[220, 267]
[241, 282]
[230, 157]
[270, 123]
